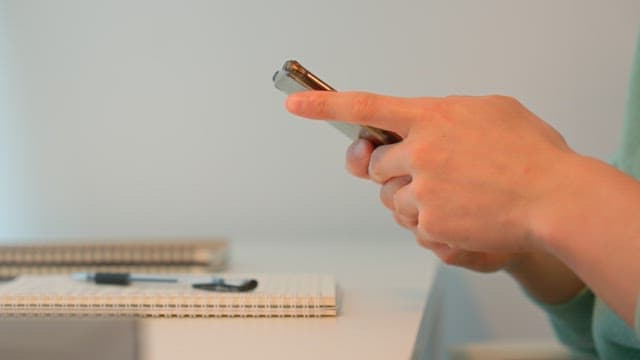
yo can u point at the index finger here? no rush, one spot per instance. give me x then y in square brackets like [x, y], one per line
[385, 112]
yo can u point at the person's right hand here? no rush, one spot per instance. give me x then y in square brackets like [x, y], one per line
[358, 159]
[542, 275]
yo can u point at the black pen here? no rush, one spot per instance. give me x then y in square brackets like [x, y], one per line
[211, 283]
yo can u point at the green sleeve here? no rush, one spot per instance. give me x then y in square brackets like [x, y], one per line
[628, 156]
[638, 318]
[571, 321]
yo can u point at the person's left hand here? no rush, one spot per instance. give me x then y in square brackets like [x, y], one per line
[470, 173]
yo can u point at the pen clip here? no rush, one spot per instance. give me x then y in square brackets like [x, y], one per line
[219, 284]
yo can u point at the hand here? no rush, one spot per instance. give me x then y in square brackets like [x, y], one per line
[479, 166]
[358, 158]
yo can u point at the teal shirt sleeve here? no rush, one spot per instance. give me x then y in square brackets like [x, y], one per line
[638, 317]
[627, 157]
[578, 323]
[572, 323]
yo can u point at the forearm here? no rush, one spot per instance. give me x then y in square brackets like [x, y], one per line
[592, 224]
[545, 278]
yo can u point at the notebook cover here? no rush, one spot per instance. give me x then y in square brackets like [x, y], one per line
[299, 295]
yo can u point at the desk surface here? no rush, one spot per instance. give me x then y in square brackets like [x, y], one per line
[382, 285]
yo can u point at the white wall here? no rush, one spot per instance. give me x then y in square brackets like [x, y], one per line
[159, 117]
[13, 189]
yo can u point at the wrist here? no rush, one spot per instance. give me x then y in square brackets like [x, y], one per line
[586, 195]
[545, 278]
[520, 264]
[561, 205]
[590, 223]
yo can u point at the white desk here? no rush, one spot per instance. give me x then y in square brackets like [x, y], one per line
[382, 285]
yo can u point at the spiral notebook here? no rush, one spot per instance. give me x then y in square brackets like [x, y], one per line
[179, 255]
[293, 295]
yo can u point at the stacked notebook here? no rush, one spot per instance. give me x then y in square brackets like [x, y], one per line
[179, 256]
[300, 295]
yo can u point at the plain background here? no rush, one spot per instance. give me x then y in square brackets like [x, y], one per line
[159, 118]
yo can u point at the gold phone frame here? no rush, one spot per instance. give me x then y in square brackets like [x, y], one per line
[293, 77]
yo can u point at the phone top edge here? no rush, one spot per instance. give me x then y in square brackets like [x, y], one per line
[285, 83]
[295, 78]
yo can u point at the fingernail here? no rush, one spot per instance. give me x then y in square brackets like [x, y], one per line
[356, 150]
[360, 147]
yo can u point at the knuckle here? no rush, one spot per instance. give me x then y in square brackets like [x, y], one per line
[375, 174]
[396, 200]
[452, 104]
[450, 258]
[375, 168]
[452, 101]
[399, 196]
[387, 197]
[420, 193]
[428, 223]
[423, 192]
[399, 220]
[423, 241]
[504, 99]
[433, 155]
[419, 153]
[403, 202]
[404, 221]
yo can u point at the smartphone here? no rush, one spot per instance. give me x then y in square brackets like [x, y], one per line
[293, 77]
